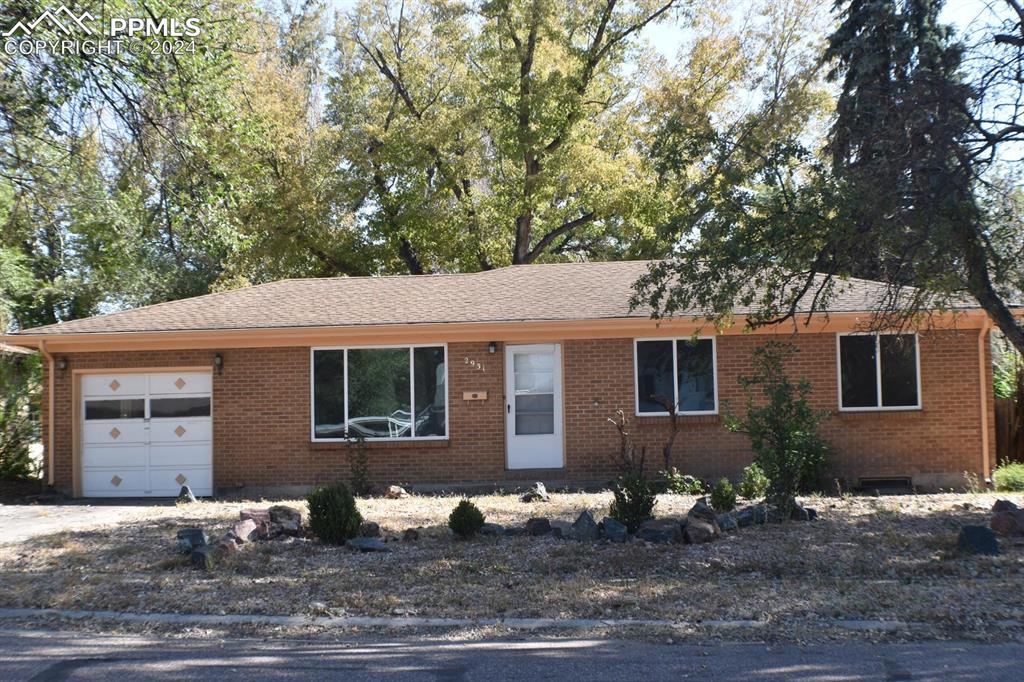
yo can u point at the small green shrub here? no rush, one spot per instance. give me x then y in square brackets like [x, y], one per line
[1009, 476]
[634, 500]
[754, 484]
[682, 484]
[723, 496]
[333, 516]
[466, 519]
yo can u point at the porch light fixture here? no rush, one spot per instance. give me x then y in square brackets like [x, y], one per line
[492, 348]
[218, 362]
[62, 363]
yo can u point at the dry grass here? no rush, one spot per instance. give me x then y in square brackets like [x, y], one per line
[887, 558]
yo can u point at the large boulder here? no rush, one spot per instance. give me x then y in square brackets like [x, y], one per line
[727, 522]
[369, 529]
[750, 515]
[702, 510]
[661, 531]
[245, 531]
[257, 515]
[698, 531]
[613, 530]
[1003, 506]
[978, 540]
[1008, 523]
[191, 538]
[584, 528]
[538, 493]
[289, 518]
[538, 526]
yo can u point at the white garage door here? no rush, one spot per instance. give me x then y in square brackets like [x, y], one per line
[146, 435]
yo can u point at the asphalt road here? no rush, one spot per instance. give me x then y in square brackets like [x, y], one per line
[49, 656]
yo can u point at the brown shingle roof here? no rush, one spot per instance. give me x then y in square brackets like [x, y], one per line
[566, 291]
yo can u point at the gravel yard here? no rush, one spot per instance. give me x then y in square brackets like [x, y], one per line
[891, 558]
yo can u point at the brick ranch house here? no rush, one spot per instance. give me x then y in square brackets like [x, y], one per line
[496, 378]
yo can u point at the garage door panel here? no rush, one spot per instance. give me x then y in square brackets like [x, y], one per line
[114, 456]
[180, 431]
[118, 482]
[113, 385]
[179, 455]
[184, 383]
[114, 432]
[167, 482]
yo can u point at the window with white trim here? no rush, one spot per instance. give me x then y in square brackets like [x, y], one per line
[879, 372]
[379, 393]
[681, 371]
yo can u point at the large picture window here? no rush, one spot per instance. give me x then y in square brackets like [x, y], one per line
[681, 371]
[878, 372]
[379, 393]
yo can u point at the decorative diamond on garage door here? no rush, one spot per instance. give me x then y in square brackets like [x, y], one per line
[114, 433]
[180, 431]
[114, 385]
[180, 383]
[180, 479]
[116, 480]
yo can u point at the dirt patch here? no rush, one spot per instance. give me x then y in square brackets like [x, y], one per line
[890, 558]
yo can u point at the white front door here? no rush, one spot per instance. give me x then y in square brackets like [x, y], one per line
[533, 409]
[146, 435]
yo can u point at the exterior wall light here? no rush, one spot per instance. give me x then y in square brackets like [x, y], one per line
[218, 362]
[62, 363]
[492, 348]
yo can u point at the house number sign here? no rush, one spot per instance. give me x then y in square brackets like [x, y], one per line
[475, 365]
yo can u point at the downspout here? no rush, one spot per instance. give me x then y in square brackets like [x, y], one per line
[983, 394]
[49, 412]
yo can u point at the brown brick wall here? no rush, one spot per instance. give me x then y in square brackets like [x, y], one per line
[261, 416]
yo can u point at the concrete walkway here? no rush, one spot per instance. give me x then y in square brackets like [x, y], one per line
[47, 656]
[20, 522]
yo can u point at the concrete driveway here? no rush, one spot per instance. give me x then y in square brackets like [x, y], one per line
[20, 522]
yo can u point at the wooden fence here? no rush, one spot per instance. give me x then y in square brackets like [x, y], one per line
[1009, 430]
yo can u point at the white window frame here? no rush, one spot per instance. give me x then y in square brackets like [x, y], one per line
[412, 391]
[878, 373]
[675, 375]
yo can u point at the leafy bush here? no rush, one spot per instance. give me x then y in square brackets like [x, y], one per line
[634, 500]
[466, 519]
[333, 516]
[782, 427]
[754, 484]
[1009, 476]
[723, 496]
[682, 484]
[19, 392]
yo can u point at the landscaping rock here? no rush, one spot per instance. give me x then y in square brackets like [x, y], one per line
[754, 514]
[191, 538]
[227, 544]
[978, 540]
[396, 492]
[206, 557]
[288, 518]
[702, 510]
[257, 515]
[538, 526]
[367, 545]
[185, 495]
[538, 493]
[1003, 506]
[492, 529]
[726, 522]
[699, 530]
[585, 529]
[801, 513]
[411, 535]
[245, 531]
[269, 530]
[369, 529]
[661, 531]
[1008, 523]
[514, 531]
[561, 529]
[614, 530]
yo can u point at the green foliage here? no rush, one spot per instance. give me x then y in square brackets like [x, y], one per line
[634, 500]
[723, 495]
[754, 484]
[333, 516]
[19, 396]
[1007, 379]
[782, 426]
[1009, 476]
[682, 484]
[466, 519]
